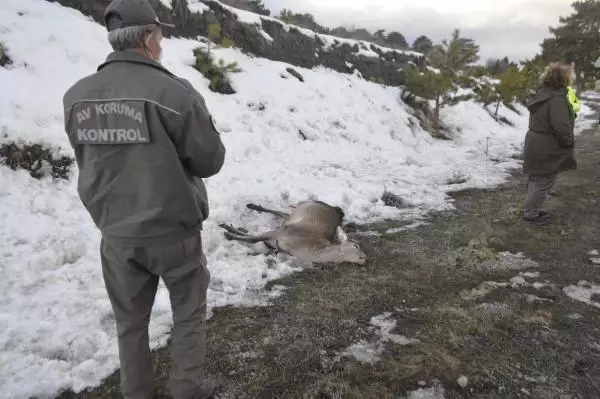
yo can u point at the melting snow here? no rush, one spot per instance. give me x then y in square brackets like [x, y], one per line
[583, 292]
[369, 352]
[436, 392]
[56, 326]
[196, 6]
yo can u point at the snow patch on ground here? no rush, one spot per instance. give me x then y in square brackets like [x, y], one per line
[594, 256]
[369, 352]
[592, 95]
[436, 392]
[56, 326]
[518, 281]
[506, 261]
[583, 292]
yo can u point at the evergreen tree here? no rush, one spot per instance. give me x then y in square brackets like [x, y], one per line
[497, 66]
[576, 39]
[396, 40]
[455, 54]
[451, 58]
[431, 85]
[422, 44]
[379, 36]
[258, 7]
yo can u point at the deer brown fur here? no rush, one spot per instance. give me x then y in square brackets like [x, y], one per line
[311, 232]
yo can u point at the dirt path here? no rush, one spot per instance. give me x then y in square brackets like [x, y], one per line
[461, 309]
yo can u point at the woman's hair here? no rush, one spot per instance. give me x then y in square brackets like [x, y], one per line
[557, 76]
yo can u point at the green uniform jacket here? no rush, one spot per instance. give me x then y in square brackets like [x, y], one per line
[143, 140]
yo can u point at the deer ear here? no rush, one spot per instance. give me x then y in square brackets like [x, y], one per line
[341, 235]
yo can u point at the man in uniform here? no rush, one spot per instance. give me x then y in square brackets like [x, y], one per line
[143, 140]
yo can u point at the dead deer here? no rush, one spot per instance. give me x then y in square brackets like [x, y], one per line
[312, 232]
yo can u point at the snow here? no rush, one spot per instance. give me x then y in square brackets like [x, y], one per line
[436, 392]
[251, 18]
[56, 325]
[584, 292]
[244, 16]
[370, 351]
[196, 6]
[365, 52]
[167, 3]
[593, 95]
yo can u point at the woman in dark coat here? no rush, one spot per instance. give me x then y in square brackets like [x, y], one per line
[549, 141]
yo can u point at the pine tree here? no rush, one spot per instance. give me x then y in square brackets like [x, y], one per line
[576, 40]
[454, 54]
[511, 87]
[379, 36]
[451, 57]
[396, 40]
[181, 11]
[434, 86]
[422, 44]
[497, 66]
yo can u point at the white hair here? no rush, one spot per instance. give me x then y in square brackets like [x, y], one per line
[130, 37]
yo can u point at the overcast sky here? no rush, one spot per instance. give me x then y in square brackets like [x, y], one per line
[512, 28]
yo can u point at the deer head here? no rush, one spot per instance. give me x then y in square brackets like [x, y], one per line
[349, 250]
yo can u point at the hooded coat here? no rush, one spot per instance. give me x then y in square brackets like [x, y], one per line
[550, 140]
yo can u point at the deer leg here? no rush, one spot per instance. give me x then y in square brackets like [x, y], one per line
[233, 230]
[261, 209]
[252, 239]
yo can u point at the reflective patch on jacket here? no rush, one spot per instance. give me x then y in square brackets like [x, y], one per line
[112, 121]
[573, 100]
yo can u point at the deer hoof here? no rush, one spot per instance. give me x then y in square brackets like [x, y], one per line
[254, 207]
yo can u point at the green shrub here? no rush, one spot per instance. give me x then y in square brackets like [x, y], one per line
[477, 250]
[377, 80]
[226, 42]
[35, 159]
[214, 32]
[216, 73]
[215, 35]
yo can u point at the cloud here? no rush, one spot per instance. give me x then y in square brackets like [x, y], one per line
[512, 28]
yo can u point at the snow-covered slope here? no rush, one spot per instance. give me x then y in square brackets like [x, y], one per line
[366, 48]
[56, 328]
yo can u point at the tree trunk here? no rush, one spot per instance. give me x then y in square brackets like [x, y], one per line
[497, 106]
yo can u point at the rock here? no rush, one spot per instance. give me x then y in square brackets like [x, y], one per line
[393, 200]
[295, 74]
[302, 134]
[4, 58]
[288, 44]
[463, 382]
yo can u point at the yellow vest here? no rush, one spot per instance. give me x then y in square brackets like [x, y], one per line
[573, 100]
